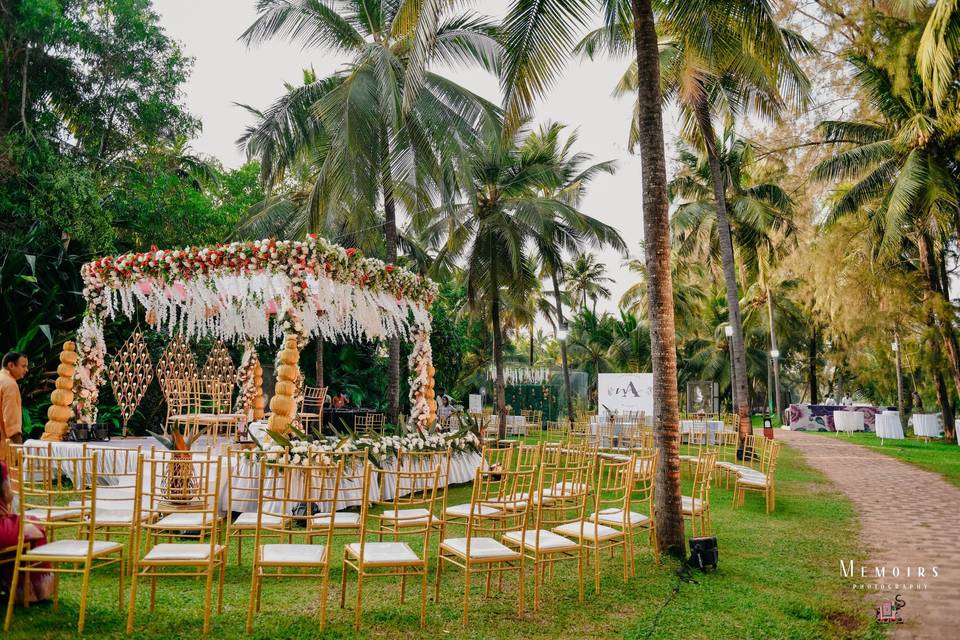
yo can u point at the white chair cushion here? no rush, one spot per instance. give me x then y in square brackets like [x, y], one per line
[184, 520]
[643, 466]
[409, 517]
[73, 548]
[248, 519]
[54, 513]
[755, 479]
[384, 553]
[687, 458]
[549, 541]
[615, 517]
[312, 554]
[340, 519]
[565, 489]
[480, 548]
[690, 505]
[463, 510]
[117, 516]
[591, 531]
[180, 551]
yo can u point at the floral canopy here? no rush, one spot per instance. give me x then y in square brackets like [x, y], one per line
[257, 291]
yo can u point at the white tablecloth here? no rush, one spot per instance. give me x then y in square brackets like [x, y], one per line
[848, 420]
[711, 427]
[926, 425]
[463, 467]
[888, 425]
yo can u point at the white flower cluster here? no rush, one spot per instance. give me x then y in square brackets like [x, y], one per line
[317, 452]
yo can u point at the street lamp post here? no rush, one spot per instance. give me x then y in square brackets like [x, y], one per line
[728, 331]
[895, 345]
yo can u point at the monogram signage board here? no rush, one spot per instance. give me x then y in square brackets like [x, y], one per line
[622, 392]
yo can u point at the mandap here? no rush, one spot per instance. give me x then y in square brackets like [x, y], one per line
[249, 292]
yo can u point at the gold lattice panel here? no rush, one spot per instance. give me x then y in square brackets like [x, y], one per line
[130, 374]
[219, 365]
[177, 362]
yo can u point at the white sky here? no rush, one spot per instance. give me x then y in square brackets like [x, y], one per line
[226, 72]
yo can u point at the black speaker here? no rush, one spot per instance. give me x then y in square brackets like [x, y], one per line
[703, 553]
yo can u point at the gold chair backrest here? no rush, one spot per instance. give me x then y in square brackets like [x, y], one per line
[405, 508]
[645, 479]
[59, 491]
[181, 482]
[508, 492]
[614, 485]
[702, 475]
[526, 456]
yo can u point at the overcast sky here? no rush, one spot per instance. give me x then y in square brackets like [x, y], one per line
[226, 72]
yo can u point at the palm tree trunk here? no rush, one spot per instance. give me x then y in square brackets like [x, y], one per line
[390, 235]
[656, 233]
[776, 361]
[497, 344]
[943, 326]
[531, 342]
[705, 124]
[812, 373]
[563, 346]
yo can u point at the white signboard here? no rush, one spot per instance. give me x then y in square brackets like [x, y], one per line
[623, 392]
[475, 404]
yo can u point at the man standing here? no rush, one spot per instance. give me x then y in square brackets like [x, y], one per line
[15, 366]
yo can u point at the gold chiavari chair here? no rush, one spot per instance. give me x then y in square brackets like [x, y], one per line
[580, 431]
[283, 487]
[495, 459]
[754, 449]
[525, 456]
[180, 499]
[244, 483]
[542, 544]
[697, 506]
[310, 411]
[480, 551]
[420, 462]
[44, 484]
[725, 444]
[641, 516]
[762, 481]
[557, 430]
[695, 440]
[612, 502]
[351, 494]
[394, 559]
[119, 486]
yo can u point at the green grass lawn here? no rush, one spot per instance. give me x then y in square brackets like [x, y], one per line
[939, 456]
[778, 578]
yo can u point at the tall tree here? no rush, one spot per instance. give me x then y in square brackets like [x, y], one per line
[393, 126]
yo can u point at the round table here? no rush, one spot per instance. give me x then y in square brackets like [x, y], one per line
[888, 426]
[926, 425]
[848, 421]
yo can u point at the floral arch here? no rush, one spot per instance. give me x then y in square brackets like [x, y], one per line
[257, 291]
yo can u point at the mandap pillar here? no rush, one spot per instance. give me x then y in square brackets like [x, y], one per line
[423, 403]
[283, 403]
[60, 411]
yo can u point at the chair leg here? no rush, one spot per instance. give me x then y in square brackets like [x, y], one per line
[324, 589]
[596, 569]
[120, 600]
[466, 593]
[580, 587]
[423, 597]
[253, 599]
[343, 581]
[132, 607]
[207, 593]
[153, 591]
[403, 587]
[223, 571]
[357, 614]
[521, 583]
[13, 593]
[436, 593]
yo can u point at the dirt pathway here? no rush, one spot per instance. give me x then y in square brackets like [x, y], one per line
[909, 518]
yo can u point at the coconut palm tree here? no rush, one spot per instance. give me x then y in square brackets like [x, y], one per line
[760, 215]
[586, 279]
[576, 173]
[538, 34]
[726, 58]
[390, 126]
[591, 337]
[501, 214]
[899, 175]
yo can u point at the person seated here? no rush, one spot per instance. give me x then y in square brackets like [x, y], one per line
[445, 409]
[33, 586]
[340, 401]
